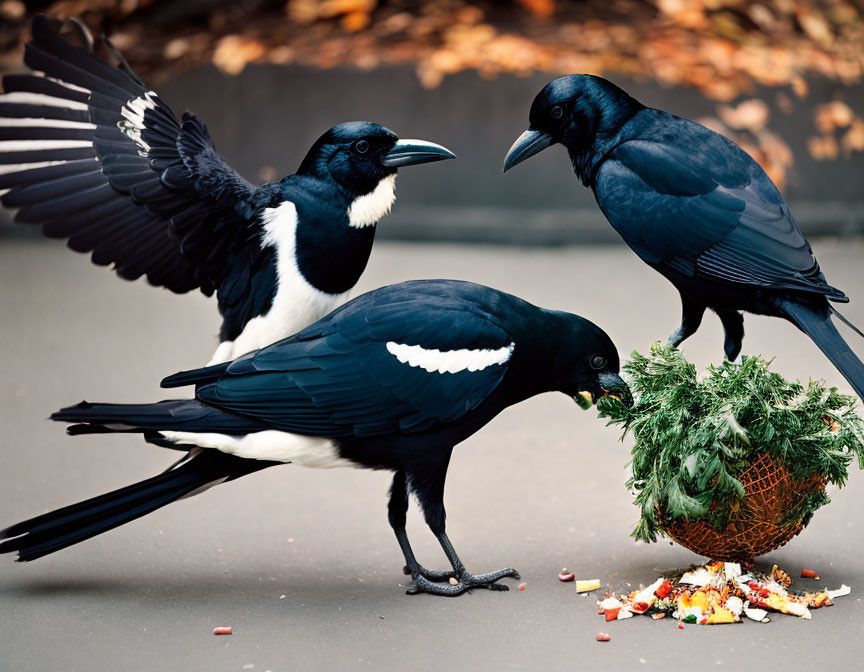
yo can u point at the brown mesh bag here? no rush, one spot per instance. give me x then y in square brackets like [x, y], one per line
[771, 492]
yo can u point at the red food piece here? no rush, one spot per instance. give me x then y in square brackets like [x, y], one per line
[640, 607]
[680, 625]
[753, 586]
[566, 576]
[664, 589]
[521, 586]
[223, 630]
[809, 574]
[603, 637]
[612, 614]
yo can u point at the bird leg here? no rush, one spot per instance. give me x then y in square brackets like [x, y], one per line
[430, 493]
[691, 318]
[397, 509]
[733, 329]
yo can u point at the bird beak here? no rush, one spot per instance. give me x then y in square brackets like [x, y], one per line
[527, 145]
[611, 385]
[412, 152]
[614, 387]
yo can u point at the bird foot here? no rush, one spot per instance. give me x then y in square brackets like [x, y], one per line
[464, 582]
[430, 574]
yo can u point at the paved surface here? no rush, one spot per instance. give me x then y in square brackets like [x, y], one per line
[303, 564]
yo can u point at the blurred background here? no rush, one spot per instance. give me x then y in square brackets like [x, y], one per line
[783, 78]
[302, 563]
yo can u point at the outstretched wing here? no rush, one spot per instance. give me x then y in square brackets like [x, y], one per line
[396, 360]
[91, 155]
[697, 203]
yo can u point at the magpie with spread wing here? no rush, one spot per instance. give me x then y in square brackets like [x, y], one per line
[92, 155]
[694, 206]
[391, 380]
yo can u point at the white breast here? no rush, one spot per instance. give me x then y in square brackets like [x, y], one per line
[449, 361]
[367, 210]
[297, 303]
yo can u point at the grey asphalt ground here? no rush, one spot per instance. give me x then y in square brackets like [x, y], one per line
[303, 564]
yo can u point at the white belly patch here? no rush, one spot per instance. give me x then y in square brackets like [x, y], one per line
[270, 445]
[297, 303]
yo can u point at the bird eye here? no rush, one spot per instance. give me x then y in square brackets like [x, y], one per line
[556, 112]
[361, 147]
[598, 362]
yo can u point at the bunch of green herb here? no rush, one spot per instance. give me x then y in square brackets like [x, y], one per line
[695, 435]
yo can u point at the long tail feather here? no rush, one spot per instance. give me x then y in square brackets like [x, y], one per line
[845, 321]
[56, 530]
[817, 324]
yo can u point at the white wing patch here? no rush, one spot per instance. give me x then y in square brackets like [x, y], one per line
[368, 209]
[449, 361]
[133, 113]
[28, 98]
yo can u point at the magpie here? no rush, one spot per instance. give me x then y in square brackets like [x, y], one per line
[695, 207]
[92, 155]
[393, 380]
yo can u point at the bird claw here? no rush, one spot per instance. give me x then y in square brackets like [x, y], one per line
[465, 582]
[430, 574]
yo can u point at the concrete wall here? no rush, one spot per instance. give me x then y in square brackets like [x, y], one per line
[269, 116]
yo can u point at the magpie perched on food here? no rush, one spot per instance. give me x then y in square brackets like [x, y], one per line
[694, 206]
[393, 379]
[88, 152]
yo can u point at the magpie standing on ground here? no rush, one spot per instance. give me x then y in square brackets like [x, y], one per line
[391, 380]
[92, 155]
[694, 206]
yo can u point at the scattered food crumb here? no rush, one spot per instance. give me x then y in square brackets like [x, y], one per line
[381, 617]
[719, 592]
[223, 630]
[453, 581]
[587, 585]
[809, 574]
[249, 666]
[566, 576]
[603, 637]
[281, 597]
[521, 586]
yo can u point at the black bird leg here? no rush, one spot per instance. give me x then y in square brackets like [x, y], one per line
[424, 580]
[397, 509]
[691, 318]
[733, 329]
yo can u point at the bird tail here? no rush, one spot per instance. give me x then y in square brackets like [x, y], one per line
[56, 530]
[183, 415]
[817, 324]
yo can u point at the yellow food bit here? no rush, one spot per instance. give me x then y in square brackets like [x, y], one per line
[721, 615]
[587, 585]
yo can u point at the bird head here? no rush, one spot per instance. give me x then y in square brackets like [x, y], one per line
[572, 111]
[588, 363]
[358, 155]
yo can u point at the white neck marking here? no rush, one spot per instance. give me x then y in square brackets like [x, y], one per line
[368, 209]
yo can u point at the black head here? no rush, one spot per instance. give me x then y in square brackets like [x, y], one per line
[359, 154]
[587, 362]
[572, 110]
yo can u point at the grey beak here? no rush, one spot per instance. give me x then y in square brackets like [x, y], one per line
[413, 152]
[527, 145]
[613, 386]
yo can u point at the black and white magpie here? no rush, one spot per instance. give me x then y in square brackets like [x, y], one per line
[393, 379]
[88, 152]
[694, 206]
